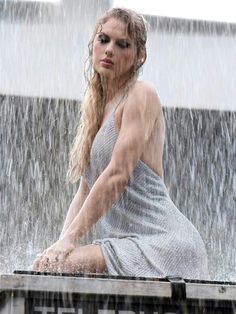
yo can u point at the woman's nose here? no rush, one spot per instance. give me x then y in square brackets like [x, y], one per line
[109, 50]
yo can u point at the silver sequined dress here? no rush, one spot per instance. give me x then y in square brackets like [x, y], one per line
[143, 234]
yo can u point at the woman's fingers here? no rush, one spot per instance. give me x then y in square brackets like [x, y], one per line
[40, 263]
[52, 262]
[62, 256]
[38, 266]
[35, 265]
[53, 258]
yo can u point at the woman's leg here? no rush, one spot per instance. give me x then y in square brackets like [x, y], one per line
[88, 259]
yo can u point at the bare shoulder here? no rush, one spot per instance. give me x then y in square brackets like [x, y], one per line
[145, 86]
[144, 97]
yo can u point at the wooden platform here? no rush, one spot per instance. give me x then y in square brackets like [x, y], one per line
[44, 293]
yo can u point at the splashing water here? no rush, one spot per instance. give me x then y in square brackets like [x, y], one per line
[35, 141]
[36, 135]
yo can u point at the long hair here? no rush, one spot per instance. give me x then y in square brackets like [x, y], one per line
[92, 107]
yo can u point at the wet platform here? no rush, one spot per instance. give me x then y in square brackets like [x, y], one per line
[49, 293]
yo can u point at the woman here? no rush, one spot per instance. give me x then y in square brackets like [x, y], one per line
[117, 155]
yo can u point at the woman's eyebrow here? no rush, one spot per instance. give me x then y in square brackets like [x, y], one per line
[124, 39]
[103, 33]
[117, 39]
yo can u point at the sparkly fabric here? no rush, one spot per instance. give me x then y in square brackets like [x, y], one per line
[143, 233]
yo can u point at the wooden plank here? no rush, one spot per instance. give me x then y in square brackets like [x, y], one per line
[100, 286]
[111, 286]
[211, 291]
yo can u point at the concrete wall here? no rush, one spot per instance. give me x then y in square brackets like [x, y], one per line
[44, 57]
[193, 68]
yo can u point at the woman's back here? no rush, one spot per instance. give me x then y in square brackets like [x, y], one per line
[143, 234]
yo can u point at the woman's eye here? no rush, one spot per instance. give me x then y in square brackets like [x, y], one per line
[103, 39]
[123, 44]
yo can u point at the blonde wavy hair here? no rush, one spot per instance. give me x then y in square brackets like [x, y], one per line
[92, 107]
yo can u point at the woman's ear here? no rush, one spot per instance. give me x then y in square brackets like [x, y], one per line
[141, 61]
[142, 58]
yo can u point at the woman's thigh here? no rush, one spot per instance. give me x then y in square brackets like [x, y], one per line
[88, 258]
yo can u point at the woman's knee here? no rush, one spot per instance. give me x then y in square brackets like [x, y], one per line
[88, 258]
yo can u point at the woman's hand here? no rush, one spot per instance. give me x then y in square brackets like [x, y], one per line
[54, 257]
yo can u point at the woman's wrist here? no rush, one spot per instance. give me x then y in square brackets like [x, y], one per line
[71, 237]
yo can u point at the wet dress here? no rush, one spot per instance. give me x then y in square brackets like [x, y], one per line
[143, 234]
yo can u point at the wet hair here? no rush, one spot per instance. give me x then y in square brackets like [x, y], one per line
[92, 108]
[136, 30]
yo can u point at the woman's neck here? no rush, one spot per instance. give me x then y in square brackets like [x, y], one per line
[111, 88]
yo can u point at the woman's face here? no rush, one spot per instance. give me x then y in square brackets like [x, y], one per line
[113, 50]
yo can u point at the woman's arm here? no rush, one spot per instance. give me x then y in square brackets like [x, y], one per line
[60, 249]
[76, 205]
[141, 112]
